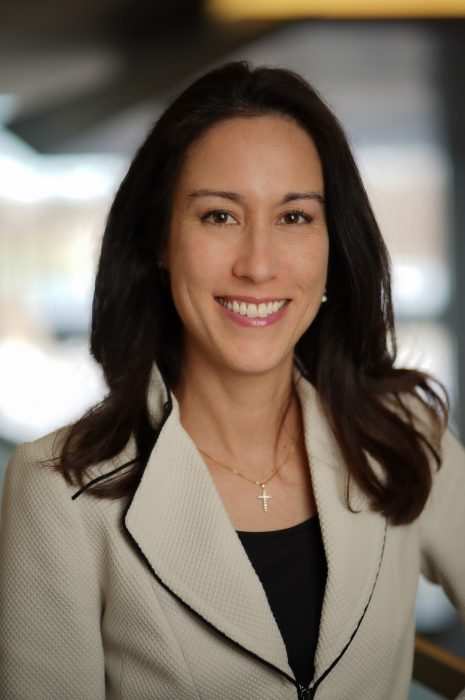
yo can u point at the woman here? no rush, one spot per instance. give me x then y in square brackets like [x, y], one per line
[247, 512]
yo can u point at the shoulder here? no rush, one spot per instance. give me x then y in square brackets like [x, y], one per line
[31, 468]
[442, 521]
[36, 489]
[432, 426]
[451, 452]
[52, 585]
[449, 479]
[442, 524]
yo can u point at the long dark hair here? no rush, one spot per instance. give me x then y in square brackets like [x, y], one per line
[348, 352]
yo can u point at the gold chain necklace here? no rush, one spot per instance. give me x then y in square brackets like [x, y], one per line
[264, 496]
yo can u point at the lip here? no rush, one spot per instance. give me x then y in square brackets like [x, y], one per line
[250, 300]
[257, 322]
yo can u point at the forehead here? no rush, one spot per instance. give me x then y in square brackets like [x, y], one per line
[248, 148]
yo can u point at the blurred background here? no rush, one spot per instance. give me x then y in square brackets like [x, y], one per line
[81, 83]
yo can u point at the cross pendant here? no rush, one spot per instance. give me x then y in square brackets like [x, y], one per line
[264, 497]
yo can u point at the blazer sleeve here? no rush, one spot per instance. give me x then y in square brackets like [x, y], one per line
[442, 525]
[50, 600]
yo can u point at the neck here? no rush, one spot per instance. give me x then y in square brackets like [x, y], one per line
[235, 416]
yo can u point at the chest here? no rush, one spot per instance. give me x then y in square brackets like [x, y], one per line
[167, 639]
[283, 501]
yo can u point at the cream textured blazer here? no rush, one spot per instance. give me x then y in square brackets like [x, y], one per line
[154, 598]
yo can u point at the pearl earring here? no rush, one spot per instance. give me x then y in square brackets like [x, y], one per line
[324, 298]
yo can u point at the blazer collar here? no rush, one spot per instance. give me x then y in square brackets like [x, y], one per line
[178, 521]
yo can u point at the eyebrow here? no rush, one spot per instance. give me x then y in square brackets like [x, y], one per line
[235, 197]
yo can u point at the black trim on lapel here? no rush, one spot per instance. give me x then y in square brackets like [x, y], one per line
[194, 612]
[168, 407]
[314, 687]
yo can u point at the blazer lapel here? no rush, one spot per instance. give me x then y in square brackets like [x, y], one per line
[179, 523]
[353, 542]
[177, 520]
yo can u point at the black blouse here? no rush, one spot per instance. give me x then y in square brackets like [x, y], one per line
[291, 565]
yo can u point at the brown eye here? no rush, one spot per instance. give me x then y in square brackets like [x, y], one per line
[296, 217]
[218, 216]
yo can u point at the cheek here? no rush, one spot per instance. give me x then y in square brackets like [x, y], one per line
[198, 262]
[190, 270]
[183, 261]
[311, 266]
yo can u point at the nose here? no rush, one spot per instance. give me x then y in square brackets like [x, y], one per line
[257, 256]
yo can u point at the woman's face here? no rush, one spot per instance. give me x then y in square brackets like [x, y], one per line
[248, 244]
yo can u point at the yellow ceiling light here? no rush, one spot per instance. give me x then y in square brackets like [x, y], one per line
[234, 10]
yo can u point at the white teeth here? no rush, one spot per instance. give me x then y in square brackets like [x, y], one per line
[253, 310]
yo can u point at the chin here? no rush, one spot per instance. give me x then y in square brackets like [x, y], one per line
[254, 363]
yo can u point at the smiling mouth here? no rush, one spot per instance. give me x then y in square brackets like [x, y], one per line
[262, 310]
